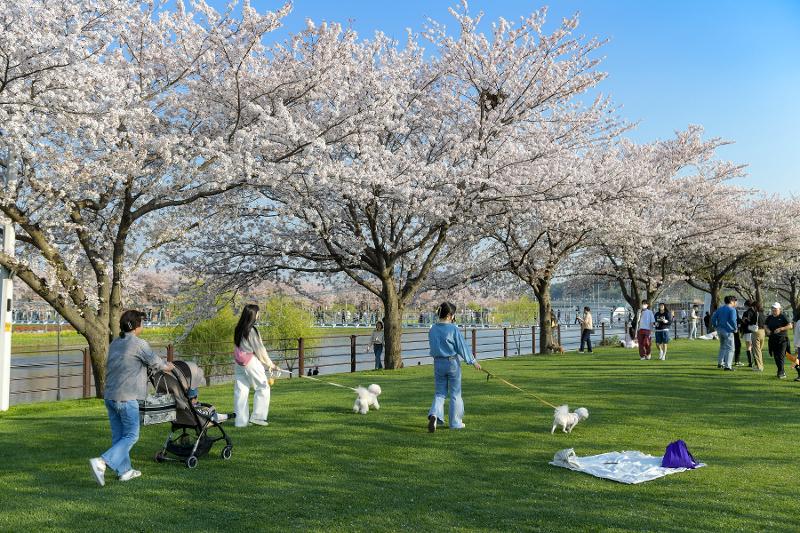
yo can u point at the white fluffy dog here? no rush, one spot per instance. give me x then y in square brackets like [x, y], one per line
[568, 420]
[367, 398]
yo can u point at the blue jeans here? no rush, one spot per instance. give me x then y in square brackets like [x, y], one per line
[447, 379]
[725, 357]
[378, 349]
[124, 418]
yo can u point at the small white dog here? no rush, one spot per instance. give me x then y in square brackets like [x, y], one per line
[367, 398]
[568, 420]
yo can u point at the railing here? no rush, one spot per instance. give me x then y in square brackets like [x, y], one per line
[44, 375]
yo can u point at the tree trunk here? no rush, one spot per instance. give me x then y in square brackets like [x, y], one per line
[392, 326]
[98, 352]
[715, 290]
[542, 291]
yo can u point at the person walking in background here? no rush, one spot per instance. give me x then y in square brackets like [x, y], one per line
[377, 344]
[587, 328]
[757, 327]
[776, 327]
[707, 322]
[251, 359]
[693, 318]
[129, 358]
[663, 320]
[724, 320]
[646, 324]
[447, 349]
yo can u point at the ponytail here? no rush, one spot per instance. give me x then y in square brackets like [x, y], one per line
[445, 309]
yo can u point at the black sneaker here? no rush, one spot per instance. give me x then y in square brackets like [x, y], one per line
[431, 423]
[729, 369]
[797, 378]
[781, 376]
[720, 366]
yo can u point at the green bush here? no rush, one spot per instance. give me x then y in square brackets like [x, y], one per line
[285, 321]
[610, 341]
[210, 343]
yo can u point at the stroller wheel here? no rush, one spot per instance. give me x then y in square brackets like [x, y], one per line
[159, 457]
[226, 452]
[191, 462]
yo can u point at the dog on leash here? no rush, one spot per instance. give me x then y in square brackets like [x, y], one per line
[568, 420]
[367, 398]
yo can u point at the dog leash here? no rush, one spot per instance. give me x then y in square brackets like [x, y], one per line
[330, 383]
[523, 391]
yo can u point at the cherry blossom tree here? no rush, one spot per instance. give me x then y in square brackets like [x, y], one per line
[675, 213]
[109, 107]
[402, 184]
[580, 195]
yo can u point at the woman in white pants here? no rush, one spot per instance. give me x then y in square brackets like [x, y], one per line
[251, 359]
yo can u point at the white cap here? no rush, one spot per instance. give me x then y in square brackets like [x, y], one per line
[776, 305]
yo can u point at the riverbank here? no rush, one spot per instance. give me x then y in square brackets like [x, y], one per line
[28, 343]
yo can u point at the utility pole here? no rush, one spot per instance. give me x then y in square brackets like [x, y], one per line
[6, 293]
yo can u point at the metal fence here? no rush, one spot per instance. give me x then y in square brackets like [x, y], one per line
[46, 375]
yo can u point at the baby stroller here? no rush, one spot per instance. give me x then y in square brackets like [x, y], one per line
[189, 438]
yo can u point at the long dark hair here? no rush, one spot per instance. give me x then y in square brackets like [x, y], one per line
[129, 321]
[246, 323]
[446, 309]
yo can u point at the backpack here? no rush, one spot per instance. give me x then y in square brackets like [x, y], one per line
[677, 455]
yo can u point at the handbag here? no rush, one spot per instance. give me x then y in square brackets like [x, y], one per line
[241, 357]
[157, 408]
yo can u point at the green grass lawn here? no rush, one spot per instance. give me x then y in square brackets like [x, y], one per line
[318, 466]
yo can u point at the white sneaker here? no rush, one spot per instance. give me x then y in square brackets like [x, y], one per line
[219, 417]
[130, 474]
[259, 422]
[99, 470]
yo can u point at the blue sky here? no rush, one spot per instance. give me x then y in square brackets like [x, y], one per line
[731, 66]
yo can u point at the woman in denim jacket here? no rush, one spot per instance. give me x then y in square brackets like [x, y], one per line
[447, 348]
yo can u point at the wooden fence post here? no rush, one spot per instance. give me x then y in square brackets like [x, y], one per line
[675, 328]
[533, 340]
[301, 357]
[170, 353]
[558, 331]
[87, 374]
[602, 332]
[505, 342]
[474, 342]
[352, 353]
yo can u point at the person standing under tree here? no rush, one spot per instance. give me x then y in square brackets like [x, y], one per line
[663, 320]
[646, 322]
[587, 328]
[724, 320]
[377, 344]
[776, 327]
[796, 318]
[693, 318]
[447, 349]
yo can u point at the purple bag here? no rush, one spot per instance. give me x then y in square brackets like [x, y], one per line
[677, 455]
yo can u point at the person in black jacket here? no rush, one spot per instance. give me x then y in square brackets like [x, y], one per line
[707, 322]
[663, 321]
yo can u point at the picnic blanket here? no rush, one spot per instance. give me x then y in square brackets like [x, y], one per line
[625, 467]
